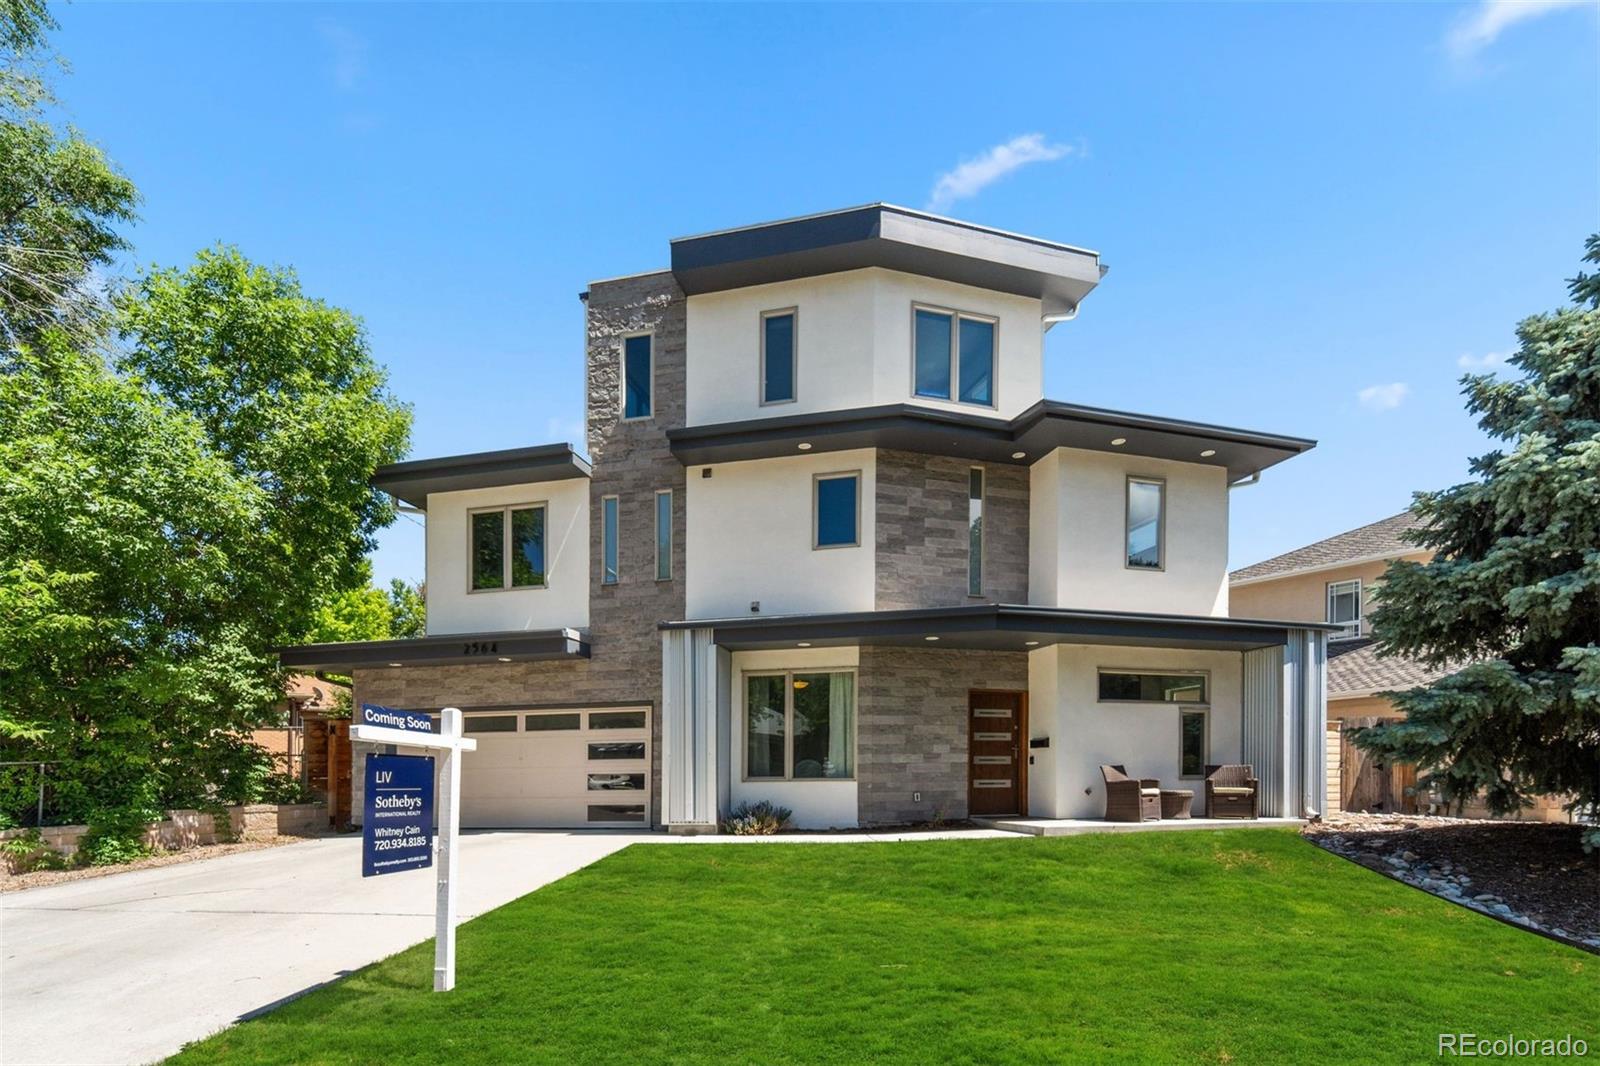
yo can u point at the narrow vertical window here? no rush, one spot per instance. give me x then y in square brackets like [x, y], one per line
[527, 547]
[777, 357]
[975, 531]
[664, 535]
[836, 505]
[638, 368]
[488, 550]
[1146, 523]
[608, 540]
[976, 370]
[932, 354]
[1344, 608]
[1192, 744]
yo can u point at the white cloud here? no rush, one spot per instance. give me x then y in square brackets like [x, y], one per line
[1383, 397]
[1486, 361]
[972, 176]
[347, 53]
[1482, 26]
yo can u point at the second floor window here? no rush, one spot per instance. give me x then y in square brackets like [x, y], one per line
[638, 373]
[777, 357]
[608, 540]
[951, 350]
[1344, 608]
[836, 505]
[1146, 523]
[508, 548]
[664, 535]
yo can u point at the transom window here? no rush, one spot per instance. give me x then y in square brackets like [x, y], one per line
[1122, 686]
[800, 726]
[1344, 608]
[778, 356]
[837, 509]
[953, 350]
[1146, 512]
[638, 374]
[508, 548]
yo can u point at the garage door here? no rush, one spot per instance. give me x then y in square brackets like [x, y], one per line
[576, 768]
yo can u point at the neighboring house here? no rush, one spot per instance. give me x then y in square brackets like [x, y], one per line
[306, 698]
[831, 547]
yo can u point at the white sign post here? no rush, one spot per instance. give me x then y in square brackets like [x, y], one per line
[446, 744]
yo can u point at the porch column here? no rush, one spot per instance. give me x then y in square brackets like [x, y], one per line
[690, 731]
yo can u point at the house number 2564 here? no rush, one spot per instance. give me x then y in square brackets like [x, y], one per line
[481, 647]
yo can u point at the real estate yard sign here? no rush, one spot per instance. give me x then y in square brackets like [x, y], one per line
[397, 822]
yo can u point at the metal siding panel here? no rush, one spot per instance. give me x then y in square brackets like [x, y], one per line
[1262, 734]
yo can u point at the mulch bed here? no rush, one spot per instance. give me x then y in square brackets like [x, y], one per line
[1536, 870]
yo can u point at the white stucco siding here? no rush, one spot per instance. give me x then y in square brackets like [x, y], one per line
[564, 602]
[750, 532]
[1079, 500]
[1084, 733]
[1043, 697]
[853, 343]
[816, 804]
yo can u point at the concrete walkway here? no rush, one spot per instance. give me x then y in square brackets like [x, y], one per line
[130, 967]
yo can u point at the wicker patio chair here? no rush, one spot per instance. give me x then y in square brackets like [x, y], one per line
[1232, 791]
[1129, 799]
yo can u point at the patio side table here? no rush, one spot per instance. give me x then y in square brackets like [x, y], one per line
[1176, 802]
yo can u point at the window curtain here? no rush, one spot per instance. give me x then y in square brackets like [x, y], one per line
[841, 724]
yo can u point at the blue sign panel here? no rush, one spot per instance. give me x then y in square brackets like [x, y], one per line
[397, 830]
[372, 714]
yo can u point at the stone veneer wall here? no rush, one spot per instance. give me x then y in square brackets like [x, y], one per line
[922, 546]
[631, 460]
[911, 728]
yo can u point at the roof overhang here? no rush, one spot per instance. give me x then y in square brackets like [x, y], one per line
[995, 627]
[412, 482]
[1030, 436]
[453, 649]
[896, 238]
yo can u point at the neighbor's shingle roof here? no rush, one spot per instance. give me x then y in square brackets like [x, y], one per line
[1378, 539]
[1355, 669]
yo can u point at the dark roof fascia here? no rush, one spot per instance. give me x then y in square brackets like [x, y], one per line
[414, 480]
[896, 238]
[999, 627]
[1036, 432]
[454, 648]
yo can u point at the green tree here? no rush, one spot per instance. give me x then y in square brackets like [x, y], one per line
[408, 610]
[1513, 590]
[352, 614]
[60, 198]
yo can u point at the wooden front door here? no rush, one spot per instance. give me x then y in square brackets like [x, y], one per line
[995, 732]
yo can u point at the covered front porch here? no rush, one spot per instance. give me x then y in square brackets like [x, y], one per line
[988, 711]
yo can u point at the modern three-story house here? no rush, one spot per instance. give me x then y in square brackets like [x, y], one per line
[830, 546]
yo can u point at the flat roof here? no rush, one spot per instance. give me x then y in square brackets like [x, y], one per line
[1023, 440]
[995, 627]
[889, 236]
[453, 648]
[413, 480]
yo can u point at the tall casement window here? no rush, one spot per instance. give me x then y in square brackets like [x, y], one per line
[1344, 608]
[975, 531]
[638, 374]
[800, 726]
[778, 356]
[508, 548]
[952, 349]
[836, 504]
[1192, 690]
[1147, 525]
[608, 540]
[664, 535]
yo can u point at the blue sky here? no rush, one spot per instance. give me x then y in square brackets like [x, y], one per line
[1314, 215]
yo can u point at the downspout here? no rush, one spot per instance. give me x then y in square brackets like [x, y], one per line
[1253, 479]
[1060, 316]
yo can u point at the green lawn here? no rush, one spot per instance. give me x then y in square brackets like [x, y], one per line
[1239, 945]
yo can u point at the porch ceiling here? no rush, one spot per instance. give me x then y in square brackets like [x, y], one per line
[994, 627]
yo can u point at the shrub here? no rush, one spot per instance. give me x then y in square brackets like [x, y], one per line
[756, 819]
[116, 836]
[28, 852]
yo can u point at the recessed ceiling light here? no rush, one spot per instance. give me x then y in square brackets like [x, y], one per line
[804, 446]
[1208, 453]
[1019, 455]
[930, 638]
[803, 644]
[396, 664]
[1117, 442]
[1031, 643]
[502, 659]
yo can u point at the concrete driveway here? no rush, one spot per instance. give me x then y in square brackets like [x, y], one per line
[127, 968]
